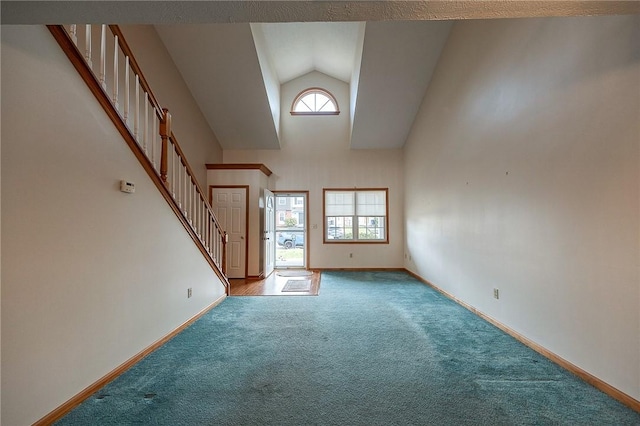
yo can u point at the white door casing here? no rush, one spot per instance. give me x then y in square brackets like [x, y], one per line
[269, 236]
[230, 206]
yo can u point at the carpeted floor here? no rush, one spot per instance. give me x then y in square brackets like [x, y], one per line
[375, 348]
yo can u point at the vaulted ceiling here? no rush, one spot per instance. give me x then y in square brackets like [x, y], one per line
[235, 55]
[234, 72]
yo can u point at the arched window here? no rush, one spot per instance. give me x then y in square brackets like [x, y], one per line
[315, 101]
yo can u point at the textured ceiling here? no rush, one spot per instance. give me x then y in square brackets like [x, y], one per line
[186, 11]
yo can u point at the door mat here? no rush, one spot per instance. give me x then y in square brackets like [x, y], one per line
[297, 285]
[295, 273]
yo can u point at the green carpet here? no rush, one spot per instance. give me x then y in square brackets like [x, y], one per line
[375, 348]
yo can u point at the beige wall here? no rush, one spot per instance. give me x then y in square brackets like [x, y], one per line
[314, 155]
[90, 275]
[523, 173]
[194, 134]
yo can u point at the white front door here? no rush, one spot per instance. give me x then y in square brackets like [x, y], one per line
[291, 230]
[230, 206]
[269, 232]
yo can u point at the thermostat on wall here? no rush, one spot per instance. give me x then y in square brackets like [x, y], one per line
[128, 187]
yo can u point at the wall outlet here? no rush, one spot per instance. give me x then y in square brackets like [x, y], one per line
[496, 293]
[189, 292]
[350, 254]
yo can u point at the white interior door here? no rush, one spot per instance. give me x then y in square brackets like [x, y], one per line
[269, 232]
[230, 206]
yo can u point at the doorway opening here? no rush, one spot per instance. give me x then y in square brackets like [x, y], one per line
[291, 230]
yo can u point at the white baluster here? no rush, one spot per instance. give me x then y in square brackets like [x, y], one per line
[179, 190]
[116, 49]
[146, 123]
[212, 237]
[185, 190]
[154, 138]
[214, 240]
[201, 221]
[87, 45]
[194, 211]
[207, 222]
[195, 208]
[103, 56]
[173, 173]
[187, 194]
[127, 87]
[181, 187]
[73, 33]
[136, 112]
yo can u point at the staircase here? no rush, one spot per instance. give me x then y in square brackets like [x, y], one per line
[103, 59]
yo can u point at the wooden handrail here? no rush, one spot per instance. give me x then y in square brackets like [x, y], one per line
[198, 218]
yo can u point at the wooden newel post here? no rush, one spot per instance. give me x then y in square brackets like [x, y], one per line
[165, 133]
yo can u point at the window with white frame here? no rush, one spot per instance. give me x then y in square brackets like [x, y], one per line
[356, 215]
[315, 101]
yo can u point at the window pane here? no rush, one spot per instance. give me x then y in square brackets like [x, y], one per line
[371, 228]
[328, 107]
[321, 103]
[306, 104]
[315, 101]
[310, 100]
[339, 228]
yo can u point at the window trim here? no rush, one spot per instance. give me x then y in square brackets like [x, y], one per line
[354, 241]
[308, 91]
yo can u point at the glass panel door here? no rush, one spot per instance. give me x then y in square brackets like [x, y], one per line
[291, 230]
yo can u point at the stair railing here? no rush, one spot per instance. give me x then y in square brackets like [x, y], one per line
[117, 82]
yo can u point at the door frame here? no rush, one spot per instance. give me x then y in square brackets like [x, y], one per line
[246, 220]
[306, 219]
[271, 235]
